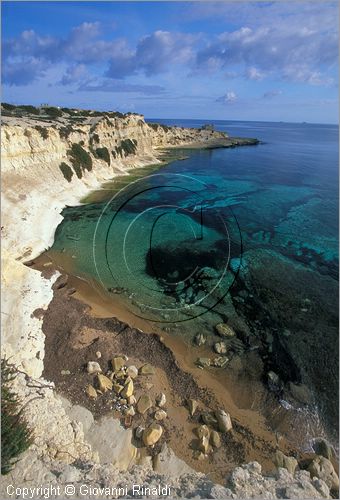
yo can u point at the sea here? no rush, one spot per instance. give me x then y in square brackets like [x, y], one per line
[246, 236]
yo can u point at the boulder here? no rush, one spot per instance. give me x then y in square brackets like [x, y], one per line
[105, 384]
[139, 431]
[203, 445]
[322, 468]
[202, 431]
[152, 434]
[132, 400]
[300, 392]
[223, 421]
[131, 411]
[91, 392]
[220, 362]
[220, 348]
[160, 415]
[274, 382]
[132, 371]
[289, 463]
[93, 367]
[161, 400]
[117, 388]
[117, 363]
[203, 362]
[128, 389]
[199, 455]
[98, 354]
[144, 403]
[224, 330]
[215, 439]
[192, 405]
[323, 448]
[209, 419]
[200, 339]
[166, 462]
[147, 369]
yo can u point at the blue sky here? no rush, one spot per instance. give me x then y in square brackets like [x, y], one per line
[275, 61]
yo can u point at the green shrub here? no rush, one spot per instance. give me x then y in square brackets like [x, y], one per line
[54, 112]
[16, 437]
[29, 109]
[78, 171]
[42, 130]
[66, 170]
[64, 132]
[153, 125]
[8, 107]
[129, 146]
[80, 157]
[103, 154]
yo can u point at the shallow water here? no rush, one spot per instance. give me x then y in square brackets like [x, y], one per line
[246, 235]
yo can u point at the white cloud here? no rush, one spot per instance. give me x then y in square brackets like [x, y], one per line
[229, 98]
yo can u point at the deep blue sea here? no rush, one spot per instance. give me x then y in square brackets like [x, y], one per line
[246, 235]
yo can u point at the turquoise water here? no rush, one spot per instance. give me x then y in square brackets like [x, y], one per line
[247, 235]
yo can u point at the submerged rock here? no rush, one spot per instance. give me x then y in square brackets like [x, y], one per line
[220, 362]
[220, 348]
[300, 392]
[224, 330]
[200, 339]
[274, 381]
[203, 362]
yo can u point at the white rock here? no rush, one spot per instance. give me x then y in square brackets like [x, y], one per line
[223, 420]
[93, 367]
[132, 371]
[161, 400]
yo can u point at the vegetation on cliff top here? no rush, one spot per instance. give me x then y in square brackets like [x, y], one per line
[16, 437]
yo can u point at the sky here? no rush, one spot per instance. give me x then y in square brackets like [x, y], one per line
[240, 60]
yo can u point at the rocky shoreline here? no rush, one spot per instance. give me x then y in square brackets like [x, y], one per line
[33, 152]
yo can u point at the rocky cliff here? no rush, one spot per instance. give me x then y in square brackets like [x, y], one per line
[46, 165]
